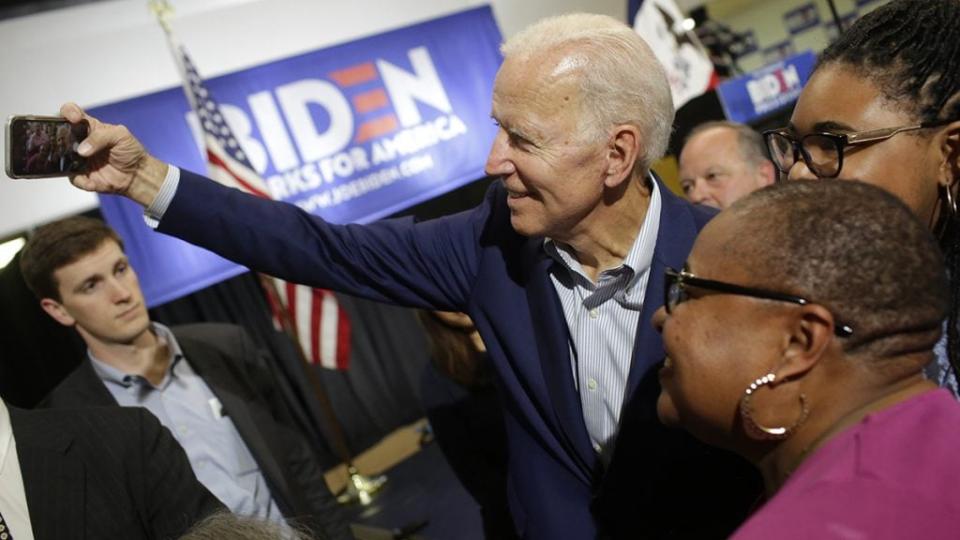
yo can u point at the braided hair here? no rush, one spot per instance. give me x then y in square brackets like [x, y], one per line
[909, 49]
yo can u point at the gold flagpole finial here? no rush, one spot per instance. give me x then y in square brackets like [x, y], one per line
[163, 11]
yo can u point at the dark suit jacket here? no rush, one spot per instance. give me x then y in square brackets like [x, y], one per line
[227, 360]
[661, 483]
[105, 473]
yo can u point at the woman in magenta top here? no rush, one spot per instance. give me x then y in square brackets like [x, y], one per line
[796, 335]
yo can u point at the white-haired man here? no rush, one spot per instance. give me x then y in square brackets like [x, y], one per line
[560, 268]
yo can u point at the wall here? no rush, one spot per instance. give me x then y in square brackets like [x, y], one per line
[765, 19]
[103, 52]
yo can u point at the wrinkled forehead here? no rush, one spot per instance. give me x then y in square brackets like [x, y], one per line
[537, 90]
[551, 69]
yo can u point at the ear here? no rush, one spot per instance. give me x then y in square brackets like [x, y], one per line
[767, 173]
[811, 334]
[949, 145]
[57, 311]
[623, 151]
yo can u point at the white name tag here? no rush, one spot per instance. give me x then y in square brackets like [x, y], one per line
[216, 407]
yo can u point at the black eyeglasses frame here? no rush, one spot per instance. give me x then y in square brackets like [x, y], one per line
[839, 140]
[674, 281]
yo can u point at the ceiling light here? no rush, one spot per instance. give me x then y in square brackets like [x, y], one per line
[10, 248]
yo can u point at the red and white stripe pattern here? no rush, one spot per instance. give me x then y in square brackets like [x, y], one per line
[319, 324]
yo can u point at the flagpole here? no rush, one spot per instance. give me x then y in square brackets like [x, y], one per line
[836, 16]
[359, 488]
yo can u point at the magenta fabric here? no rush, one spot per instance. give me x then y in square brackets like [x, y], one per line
[894, 475]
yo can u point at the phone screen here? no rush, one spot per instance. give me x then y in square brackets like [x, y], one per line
[43, 146]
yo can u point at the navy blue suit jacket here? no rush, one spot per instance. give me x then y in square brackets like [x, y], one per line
[658, 480]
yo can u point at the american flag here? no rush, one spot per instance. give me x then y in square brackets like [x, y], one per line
[317, 321]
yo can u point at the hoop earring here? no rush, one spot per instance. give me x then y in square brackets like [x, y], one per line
[951, 202]
[760, 432]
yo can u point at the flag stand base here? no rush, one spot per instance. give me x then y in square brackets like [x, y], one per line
[360, 488]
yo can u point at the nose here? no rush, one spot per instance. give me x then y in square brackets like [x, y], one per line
[119, 291]
[659, 318]
[800, 171]
[498, 161]
[698, 193]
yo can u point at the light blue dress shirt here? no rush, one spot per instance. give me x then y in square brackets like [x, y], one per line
[188, 408]
[602, 318]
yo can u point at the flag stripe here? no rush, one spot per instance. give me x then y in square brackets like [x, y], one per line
[215, 160]
[316, 319]
[343, 338]
[328, 330]
[304, 300]
[291, 296]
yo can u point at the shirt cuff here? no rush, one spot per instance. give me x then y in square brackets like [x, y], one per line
[154, 213]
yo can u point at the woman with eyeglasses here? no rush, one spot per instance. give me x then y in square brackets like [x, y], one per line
[796, 336]
[883, 106]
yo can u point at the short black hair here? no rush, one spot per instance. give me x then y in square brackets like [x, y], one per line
[854, 248]
[58, 244]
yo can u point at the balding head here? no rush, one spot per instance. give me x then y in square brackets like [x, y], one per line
[723, 161]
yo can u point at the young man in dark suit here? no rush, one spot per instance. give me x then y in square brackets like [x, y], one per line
[94, 473]
[204, 382]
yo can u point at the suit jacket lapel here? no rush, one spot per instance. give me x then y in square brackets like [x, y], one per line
[677, 222]
[208, 363]
[550, 328]
[90, 389]
[53, 478]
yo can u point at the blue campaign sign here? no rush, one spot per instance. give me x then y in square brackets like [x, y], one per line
[351, 133]
[766, 90]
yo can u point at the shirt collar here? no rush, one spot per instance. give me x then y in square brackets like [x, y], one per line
[640, 256]
[111, 374]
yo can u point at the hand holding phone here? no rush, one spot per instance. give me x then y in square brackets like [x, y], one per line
[116, 161]
[44, 147]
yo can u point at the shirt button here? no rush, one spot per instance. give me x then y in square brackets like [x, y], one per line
[594, 313]
[596, 446]
[592, 384]
[183, 429]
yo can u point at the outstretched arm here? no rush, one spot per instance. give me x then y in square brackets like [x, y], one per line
[430, 265]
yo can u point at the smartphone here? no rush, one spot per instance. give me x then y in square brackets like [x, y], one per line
[44, 146]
